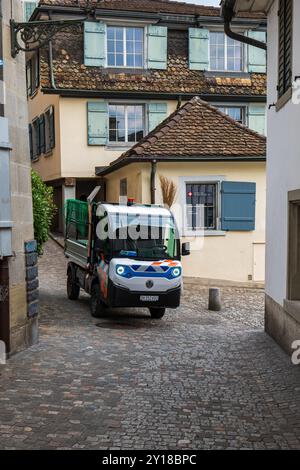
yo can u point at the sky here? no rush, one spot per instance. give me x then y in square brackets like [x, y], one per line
[214, 3]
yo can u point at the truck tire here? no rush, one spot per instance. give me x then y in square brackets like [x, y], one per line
[97, 306]
[157, 313]
[73, 289]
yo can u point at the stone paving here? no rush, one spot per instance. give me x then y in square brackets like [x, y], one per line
[193, 380]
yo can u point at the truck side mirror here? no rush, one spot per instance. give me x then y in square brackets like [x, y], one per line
[185, 249]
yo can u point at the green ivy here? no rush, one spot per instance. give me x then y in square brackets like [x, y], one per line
[43, 209]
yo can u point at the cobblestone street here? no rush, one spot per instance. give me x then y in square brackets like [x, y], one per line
[193, 380]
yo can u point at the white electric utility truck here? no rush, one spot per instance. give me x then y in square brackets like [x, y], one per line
[123, 256]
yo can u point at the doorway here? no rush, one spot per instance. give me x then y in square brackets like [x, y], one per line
[4, 304]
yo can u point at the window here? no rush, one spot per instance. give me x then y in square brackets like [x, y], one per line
[201, 206]
[125, 47]
[32, 75]
[285, 46]
[29, 7]
[235, 112]
[126, 123]
[123, 187]
[225, 53]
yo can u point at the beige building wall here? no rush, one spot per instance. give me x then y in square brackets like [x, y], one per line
[78, 158]
[23, 330]
[48, 166]
[230, 256]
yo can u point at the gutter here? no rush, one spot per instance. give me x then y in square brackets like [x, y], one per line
[100, 171]
[227, 11]
[152, 95]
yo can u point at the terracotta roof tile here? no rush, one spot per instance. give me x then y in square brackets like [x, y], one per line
[70, 72]
[166, 6]
[198, 129]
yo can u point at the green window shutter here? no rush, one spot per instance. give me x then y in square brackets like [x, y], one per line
[157, 47]
[257, 118]
[30, 141]
[257, 58]
[157, 112]
[42, 145]
[238, 206]
[94, 43]
[198, 49]
[51, 128]
[97, 123]
[29, 8]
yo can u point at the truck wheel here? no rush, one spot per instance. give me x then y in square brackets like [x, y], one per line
[157, 313]
[72, 288]
[97, 307]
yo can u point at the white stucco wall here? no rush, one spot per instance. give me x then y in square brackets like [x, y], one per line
[283, 155]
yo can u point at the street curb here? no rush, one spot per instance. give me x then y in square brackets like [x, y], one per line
[56, 240]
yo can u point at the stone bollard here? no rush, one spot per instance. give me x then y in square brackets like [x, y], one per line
[214, 299]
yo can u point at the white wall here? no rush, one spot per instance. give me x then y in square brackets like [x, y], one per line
[283, 159]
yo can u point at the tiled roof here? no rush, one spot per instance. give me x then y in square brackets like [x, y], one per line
[164, 6]
[71, 74]
[198, 129]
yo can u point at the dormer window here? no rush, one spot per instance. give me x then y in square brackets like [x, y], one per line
[125, 47]
[225, 53]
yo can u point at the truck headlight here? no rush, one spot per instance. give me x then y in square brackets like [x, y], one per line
[176, 272]
[123, 271]
[120, 270]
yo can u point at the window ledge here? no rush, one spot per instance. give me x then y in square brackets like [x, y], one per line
[123, 148]
[48, 154]
[284, 99]
[292, 307]
[225, 73]
[204, 233]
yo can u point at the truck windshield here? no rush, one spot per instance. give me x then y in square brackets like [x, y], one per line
[143, 236]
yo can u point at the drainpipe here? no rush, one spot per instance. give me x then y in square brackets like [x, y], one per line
[52, 80]
[228, 13]
[152, 181]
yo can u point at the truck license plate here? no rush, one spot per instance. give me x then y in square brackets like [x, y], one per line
[149, 298]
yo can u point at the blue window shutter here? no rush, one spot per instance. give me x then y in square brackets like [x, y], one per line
[257, 58]
[238, 206]
[257, 118]
[97, 123]
[157, 47]
[198, 49]
[94, 43]
[157, 112]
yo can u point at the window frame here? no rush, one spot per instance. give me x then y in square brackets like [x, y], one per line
[244, 109]
[125, 27]
[33, 75]
[126, 143]
[243, 49]
[213, 179]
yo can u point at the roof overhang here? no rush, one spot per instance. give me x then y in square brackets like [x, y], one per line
[248, 6]
[120, 163]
